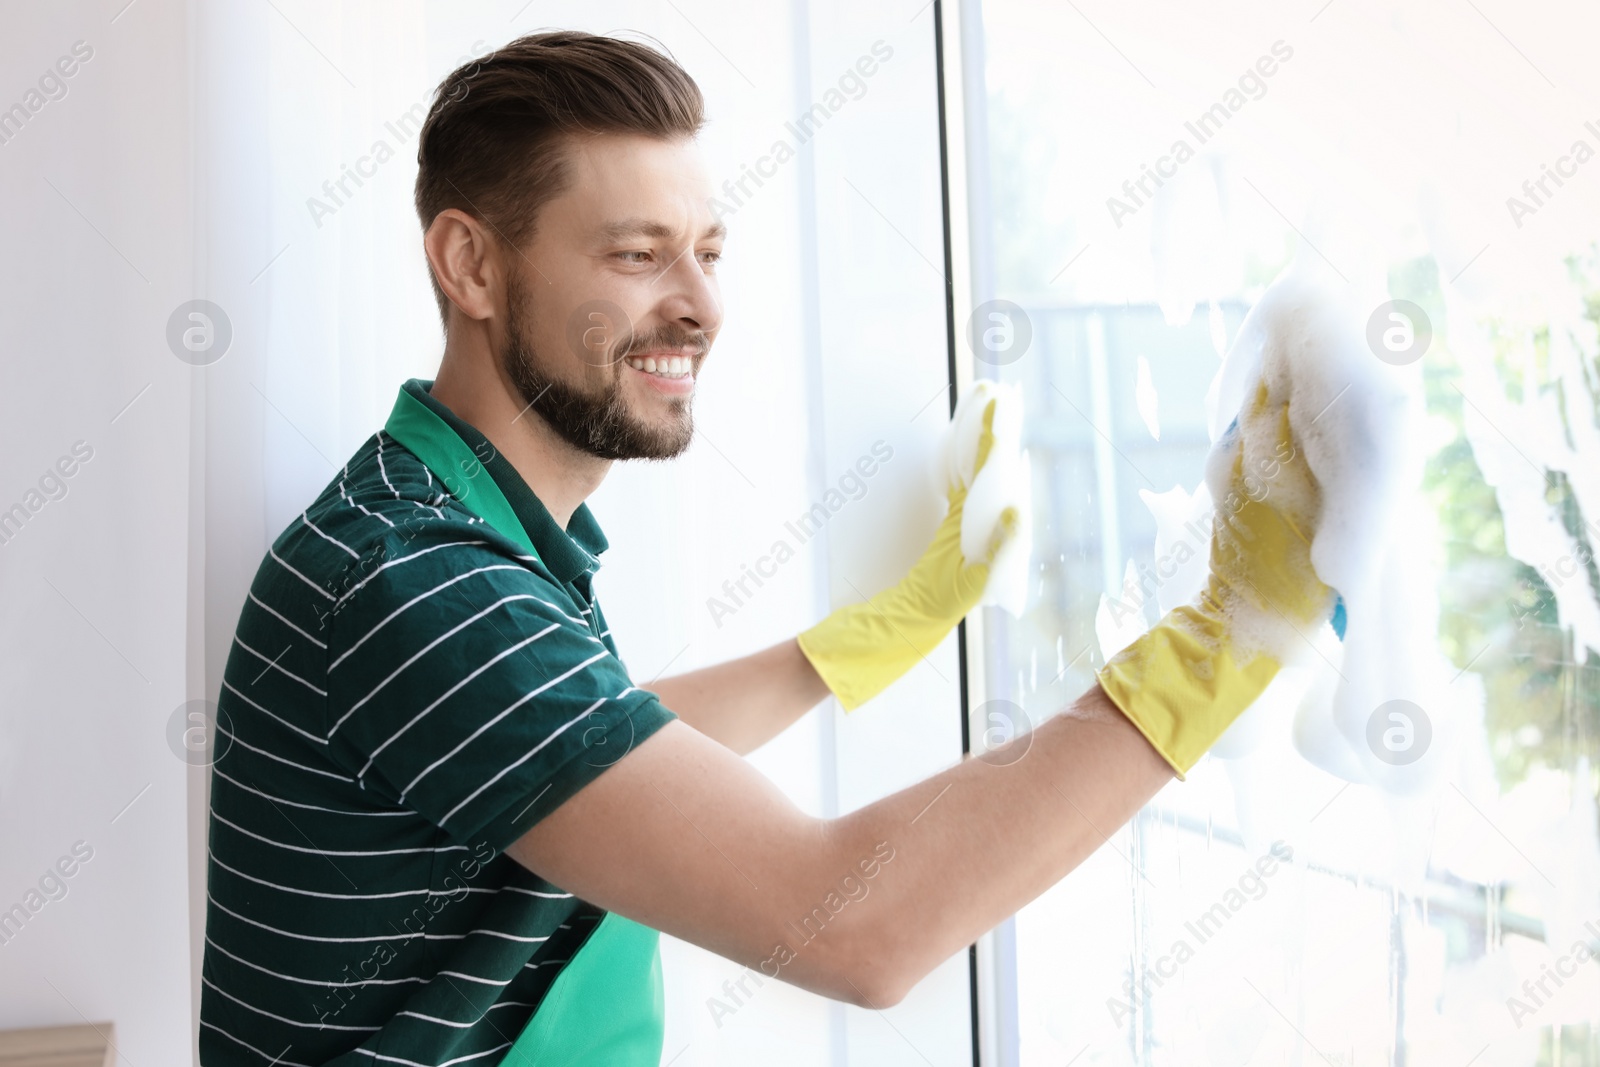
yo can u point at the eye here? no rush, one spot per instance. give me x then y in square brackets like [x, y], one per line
[629, 257]
[711, 257]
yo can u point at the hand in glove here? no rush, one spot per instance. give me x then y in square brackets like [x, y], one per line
[860, 649]
[1184, 681]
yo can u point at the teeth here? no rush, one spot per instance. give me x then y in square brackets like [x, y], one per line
[666, 367]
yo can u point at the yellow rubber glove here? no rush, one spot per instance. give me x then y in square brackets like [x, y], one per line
[861, 648]
[1185, 681]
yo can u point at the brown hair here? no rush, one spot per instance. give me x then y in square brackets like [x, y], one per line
[492, 143]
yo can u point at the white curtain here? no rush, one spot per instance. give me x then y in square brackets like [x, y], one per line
[305, 245]
[320, 268]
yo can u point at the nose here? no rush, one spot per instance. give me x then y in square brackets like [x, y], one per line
[690, 296]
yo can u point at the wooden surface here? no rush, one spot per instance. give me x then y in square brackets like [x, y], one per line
[59, 1046]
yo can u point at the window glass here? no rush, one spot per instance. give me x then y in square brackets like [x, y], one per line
[1138, 175]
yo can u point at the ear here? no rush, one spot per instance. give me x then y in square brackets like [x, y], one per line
[464, 258]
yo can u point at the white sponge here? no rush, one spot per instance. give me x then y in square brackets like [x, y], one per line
[1005, 481]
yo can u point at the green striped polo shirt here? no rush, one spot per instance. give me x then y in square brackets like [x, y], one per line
[408, 691]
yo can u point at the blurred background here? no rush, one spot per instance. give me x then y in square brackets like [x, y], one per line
[966, 191]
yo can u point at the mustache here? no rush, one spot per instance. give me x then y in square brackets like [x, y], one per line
[667, 335]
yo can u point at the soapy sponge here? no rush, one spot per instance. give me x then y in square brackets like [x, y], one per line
[1356, 420]
[1005, 481]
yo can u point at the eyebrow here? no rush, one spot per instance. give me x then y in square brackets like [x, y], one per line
[642, 227]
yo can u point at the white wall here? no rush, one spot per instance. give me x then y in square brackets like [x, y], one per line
[93, 590]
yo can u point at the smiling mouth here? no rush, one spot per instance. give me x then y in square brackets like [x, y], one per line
[663, 365]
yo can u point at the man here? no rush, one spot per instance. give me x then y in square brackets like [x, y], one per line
[445, 822]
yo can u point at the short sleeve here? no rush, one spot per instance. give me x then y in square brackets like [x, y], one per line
[465, 684]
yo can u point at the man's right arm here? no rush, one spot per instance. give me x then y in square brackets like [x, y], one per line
[684, 836]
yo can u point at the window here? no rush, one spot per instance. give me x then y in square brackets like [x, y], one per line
[1404, 929]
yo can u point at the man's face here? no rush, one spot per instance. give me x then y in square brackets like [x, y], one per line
[614, 304]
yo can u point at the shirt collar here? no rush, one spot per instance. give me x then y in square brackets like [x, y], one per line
[566, 553]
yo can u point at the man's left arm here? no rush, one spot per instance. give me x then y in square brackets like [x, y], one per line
[746, 702]
[860, 649]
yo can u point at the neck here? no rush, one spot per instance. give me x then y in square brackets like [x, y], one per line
[478, 392]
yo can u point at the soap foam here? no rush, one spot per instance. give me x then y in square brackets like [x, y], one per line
[1352, 486]
[1004, 482]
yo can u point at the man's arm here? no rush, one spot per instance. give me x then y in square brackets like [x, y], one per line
[745, 702]
[861, 648]
[684, 836]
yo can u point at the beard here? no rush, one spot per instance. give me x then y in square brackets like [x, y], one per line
[597, 421]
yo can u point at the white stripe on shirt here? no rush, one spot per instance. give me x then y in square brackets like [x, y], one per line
[415, 979]
[419, 598]
[446, 1063]
[430, 646]
[274, 1061]
[305, 517]
[273, 554]
[338, 852]
[305, 937]
[352, 501]
[285, 1018]
[272, 663]
[448, 692]
[514, 706]
[274, 613]
[529, 755]
[304, 733]
[384, 470]
[403, 559]
[348, 896]
[313, 807]
[233, 737]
